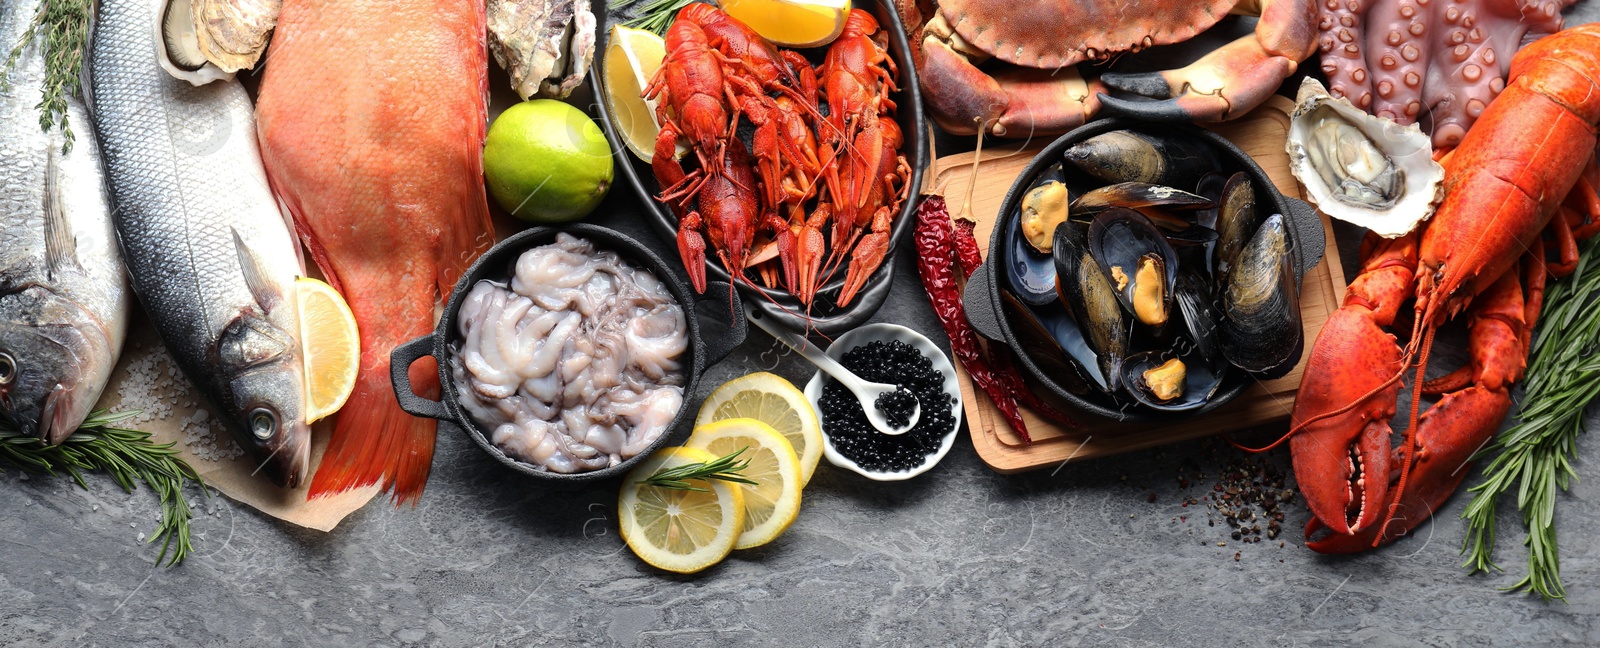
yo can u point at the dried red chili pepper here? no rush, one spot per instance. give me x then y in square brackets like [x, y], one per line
[936, 244]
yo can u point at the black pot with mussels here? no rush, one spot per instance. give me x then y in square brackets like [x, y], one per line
[561, 345]
[1145, 271]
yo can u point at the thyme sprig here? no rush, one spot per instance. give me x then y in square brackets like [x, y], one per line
[725, 468]
[65, 24]
[1534, 457]
[655, 15]
[129, 456]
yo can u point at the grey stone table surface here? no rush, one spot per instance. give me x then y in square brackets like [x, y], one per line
[1094, 553]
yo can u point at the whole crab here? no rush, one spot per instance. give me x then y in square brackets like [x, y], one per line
[1040, 92]
[1439, 62]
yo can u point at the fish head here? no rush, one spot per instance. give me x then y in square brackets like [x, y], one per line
[266, 383]
[53, 364]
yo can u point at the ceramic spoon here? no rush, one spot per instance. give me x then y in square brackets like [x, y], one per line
[866, 392]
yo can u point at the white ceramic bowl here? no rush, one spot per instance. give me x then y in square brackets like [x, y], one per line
[888, 333]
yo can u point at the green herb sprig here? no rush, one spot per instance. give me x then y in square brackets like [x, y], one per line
[1534, 457]
[129, 456]
[656, 15]
[66, 35]
[725, 468]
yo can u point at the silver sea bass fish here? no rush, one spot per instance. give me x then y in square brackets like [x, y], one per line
[208, 251]
[64, 302]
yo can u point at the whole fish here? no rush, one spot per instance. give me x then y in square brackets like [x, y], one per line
[208, 251]
[64, 300]
[373, 116]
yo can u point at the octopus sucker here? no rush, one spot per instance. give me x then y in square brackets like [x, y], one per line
[575, 364]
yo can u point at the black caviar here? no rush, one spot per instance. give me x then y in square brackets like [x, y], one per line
[896, 406]
[846, 425]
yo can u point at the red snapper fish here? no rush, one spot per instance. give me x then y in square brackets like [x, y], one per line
[372, 115]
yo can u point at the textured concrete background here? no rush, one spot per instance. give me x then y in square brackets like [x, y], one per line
[1091, 555]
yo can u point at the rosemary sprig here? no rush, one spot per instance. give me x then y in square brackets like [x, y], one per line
[656, 15]
[66, 33]
[725, 468]
[1534, 457]
[128, 456]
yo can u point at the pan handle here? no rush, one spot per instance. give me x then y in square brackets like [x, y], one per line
[722, 324]
[978, 302]
[1311, 241]
[400, 361]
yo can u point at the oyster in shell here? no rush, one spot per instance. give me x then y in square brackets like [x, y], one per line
[545, 45]
[210, 40]
[1359, 168]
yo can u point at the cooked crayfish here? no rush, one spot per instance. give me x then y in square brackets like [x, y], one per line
[1483, 254]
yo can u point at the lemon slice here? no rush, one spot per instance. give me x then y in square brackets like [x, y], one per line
[331, 346]
[773, 502]
[680, 531]
[792, 23]
[632, 57]
[772, 400]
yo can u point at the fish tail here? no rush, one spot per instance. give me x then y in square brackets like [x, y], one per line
[375, 442]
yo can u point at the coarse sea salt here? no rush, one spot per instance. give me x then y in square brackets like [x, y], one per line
[153, 383]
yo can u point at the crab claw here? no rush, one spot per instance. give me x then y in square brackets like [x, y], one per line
[1014, 103]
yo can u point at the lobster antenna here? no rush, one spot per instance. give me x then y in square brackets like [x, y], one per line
[1409, 445]
[1301, 427]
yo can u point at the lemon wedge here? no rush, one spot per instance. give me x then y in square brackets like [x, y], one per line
[680, 531]
[331, 347]
[792, 23]
[772, 400]
[772, 503]
[631, 59]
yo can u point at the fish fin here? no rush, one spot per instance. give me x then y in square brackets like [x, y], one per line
[375, 442]
[60, 246]
[265, 291]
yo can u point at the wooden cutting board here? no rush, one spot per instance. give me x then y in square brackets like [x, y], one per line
[1262, 134]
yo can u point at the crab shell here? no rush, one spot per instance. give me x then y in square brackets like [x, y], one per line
[1038, 33]
[1388, 147]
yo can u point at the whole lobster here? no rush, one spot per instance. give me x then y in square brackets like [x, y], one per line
[1483, 253]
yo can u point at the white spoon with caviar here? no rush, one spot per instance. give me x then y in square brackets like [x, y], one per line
[876, 398]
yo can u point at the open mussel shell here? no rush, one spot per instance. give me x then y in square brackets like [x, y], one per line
[1043, 208]
[1135, 256]
[1199, 381]
[1132, 156]
[1093, 302]
[1237, 221]
[1049, 335]
[1030, 273]
[1135, 195]
[1261, 330]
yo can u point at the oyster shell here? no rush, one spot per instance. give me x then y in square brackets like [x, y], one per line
[545, 45]
[1359, 168]
[210, 40]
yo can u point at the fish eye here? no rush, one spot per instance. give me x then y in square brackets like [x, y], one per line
[262, 423]
[8, 368]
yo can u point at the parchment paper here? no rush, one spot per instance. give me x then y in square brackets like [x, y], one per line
[173, 411]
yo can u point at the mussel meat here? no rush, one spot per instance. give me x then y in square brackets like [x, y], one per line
[1093, 302]
[1261, 304]
[1132, 156]
[1043, 208]
[1172, 381]
[1135, 255]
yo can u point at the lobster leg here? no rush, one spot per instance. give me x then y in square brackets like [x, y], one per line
[868, 255]
[1458, 425]
[692, 248]
[1353, 361]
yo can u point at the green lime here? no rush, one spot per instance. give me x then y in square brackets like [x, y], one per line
[547, 162]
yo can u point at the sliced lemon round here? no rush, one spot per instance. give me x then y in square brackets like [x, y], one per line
[772, 400]
[772, 503]
[331, 346]
[681, 531]
[792, 23]
[631, 59]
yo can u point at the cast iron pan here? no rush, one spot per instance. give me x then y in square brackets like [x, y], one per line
[714, 331]
[982, 298]
[824, 316]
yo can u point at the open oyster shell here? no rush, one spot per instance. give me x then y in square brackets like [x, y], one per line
[1359, 168]
[545, 45]
[207, 40]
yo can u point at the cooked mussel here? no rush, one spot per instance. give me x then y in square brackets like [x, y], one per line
[1135, 195]
[1171, 381]
[1093, 302]
[1200, 317]
[1043, 208]
[1031, 274]
[1131, 156]
[1261, 304]
[1051, 338]
[1237, 221]
[1136, 257]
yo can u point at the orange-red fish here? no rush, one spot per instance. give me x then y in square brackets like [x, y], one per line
[372, 115]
